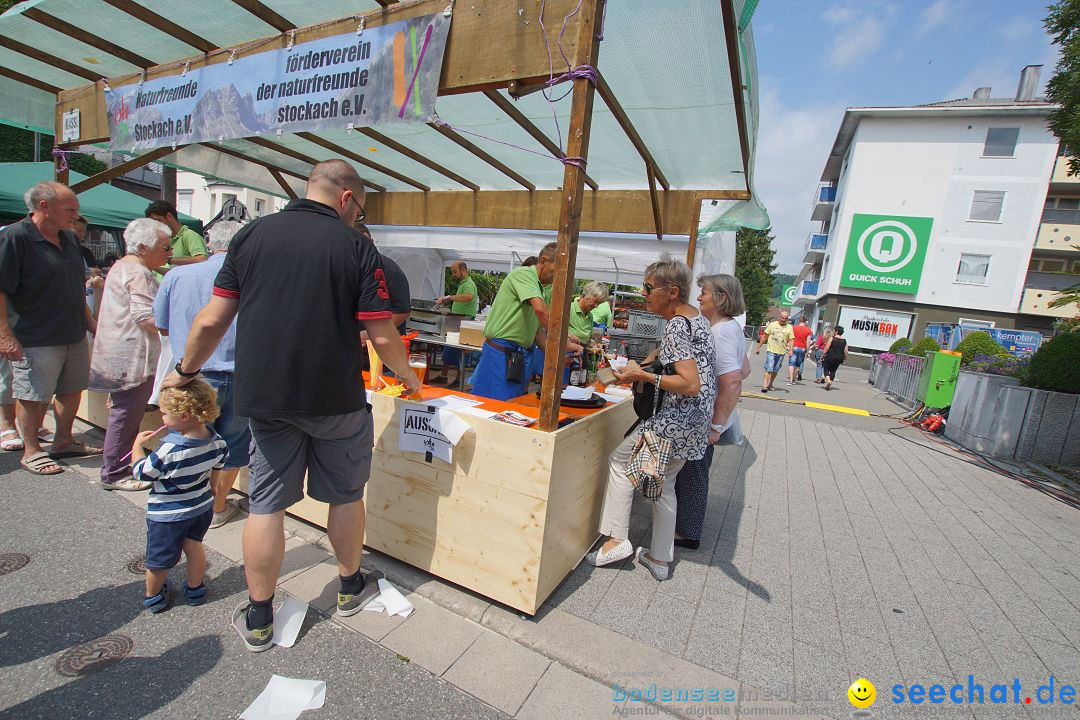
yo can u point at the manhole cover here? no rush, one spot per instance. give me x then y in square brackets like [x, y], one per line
[90, 657]
[10, 562]
[137, 566]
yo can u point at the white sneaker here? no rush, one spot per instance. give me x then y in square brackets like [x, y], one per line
[220, 518]
[658, 570]
[599, 558]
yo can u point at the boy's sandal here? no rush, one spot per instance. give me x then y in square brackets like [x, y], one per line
[160, 602]
[195, 595]
[10, 440]
[38, 464]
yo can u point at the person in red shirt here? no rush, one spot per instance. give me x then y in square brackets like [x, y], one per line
[798, 351]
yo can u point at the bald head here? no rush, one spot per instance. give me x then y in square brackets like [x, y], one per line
[337, 184]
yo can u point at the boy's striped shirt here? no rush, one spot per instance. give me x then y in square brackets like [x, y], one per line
[180, 471]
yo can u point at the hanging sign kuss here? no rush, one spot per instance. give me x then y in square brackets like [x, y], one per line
[381, 75]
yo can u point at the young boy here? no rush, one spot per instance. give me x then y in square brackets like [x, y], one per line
[181, 503]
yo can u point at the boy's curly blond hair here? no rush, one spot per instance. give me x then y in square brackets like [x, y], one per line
[197, 400]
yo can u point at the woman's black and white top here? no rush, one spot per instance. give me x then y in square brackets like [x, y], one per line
[682, 419]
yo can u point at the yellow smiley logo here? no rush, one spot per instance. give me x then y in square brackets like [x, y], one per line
[862, 693]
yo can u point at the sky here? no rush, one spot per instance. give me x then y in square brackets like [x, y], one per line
[815, 59]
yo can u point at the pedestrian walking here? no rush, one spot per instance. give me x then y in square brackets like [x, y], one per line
[721, 300]
[835, 355]
[298, 377]
[798, 350]
[780, 337]
[819, 352]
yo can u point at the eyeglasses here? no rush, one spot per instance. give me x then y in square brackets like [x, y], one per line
[649, 288]
[362, 215]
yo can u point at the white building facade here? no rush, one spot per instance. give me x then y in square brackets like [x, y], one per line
[203, 197]
[934, 214]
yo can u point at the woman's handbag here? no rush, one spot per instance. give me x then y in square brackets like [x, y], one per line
[645, 468]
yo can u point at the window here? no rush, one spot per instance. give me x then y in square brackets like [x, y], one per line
[986, 205]
[226, 197]
[258, 208]
[183, 201]
[1053, 266]
[1068, 203]
[1000, 142]
[1033, 265]
[1076, 267]
[977, 323]
[972, 269]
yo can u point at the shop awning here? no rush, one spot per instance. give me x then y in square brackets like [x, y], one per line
[104, 206]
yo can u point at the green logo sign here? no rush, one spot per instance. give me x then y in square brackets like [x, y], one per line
[787, 295]
[886, 252]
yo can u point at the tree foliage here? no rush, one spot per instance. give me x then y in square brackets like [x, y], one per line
[924, 346]
[6, 4]
[979, 343]
[1054, 366]
[1063, 24]
[754, 267]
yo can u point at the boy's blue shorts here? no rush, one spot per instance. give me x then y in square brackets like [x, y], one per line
[165, 540]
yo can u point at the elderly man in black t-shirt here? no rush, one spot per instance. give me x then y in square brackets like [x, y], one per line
[302, 283]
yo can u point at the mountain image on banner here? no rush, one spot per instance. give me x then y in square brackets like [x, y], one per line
[225, 113]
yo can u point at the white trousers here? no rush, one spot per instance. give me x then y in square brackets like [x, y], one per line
[164, 367]
[615, 518]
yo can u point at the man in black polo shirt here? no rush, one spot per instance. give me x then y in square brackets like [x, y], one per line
[302, 283]
[43, 322]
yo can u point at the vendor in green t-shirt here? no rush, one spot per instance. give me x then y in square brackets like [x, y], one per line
[518, 318]
[601, 314]
[188, 246]
[464, 301]
[581, 309]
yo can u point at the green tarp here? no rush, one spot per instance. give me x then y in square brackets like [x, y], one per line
[104, 206]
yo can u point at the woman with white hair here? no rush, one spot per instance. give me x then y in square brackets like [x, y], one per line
[581, 323]
[126, 346]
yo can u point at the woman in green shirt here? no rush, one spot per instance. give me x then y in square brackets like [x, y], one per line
[581, 322]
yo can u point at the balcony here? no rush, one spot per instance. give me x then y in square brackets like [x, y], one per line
[1036, 301]
[1060, 230]
[815, 247]
[1061, 172]
[807, 292]
[824, 199]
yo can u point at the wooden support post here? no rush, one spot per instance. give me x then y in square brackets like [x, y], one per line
[117, 170]
[691, 248]
[580, 128]
[284, 185]
[60, 176]
[658, 221]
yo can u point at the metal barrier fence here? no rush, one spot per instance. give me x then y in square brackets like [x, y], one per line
[904, 379]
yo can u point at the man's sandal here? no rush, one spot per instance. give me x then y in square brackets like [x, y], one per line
[37, 463]
[75, 450]
[10, 440]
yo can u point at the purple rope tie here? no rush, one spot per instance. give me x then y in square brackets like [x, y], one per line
[577, 162]
[63, 155]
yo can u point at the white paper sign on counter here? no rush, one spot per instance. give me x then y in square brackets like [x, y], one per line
[430, 431]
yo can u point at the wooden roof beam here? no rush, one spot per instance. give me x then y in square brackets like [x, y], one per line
[27, 80]
[527, 125]
[44, 57]
[386, 3]
[296, 154]
[284, 185]
[417, 157]
[451, 135]
[731, 39]
[268, 16]
[274, 169]
[658, 221]
[117, 170]
[344, 152]
[65, 28]
[628, 127]
[168, 27]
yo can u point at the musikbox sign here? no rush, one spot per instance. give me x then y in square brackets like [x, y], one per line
[873, 329]
[381, 75]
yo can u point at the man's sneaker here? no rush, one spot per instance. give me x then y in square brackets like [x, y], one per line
[220, 518]
[256, 640]
[349, 604]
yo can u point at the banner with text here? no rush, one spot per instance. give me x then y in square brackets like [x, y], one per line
[387, 74]
[872, 329]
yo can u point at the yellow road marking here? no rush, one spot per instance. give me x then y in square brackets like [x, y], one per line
[837, 408]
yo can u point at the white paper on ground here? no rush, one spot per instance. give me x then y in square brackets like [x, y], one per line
[390, 600]
[285, 698]
[288, 619]
[452, 402]
[478, 412]
[573, 392]
[610, 397]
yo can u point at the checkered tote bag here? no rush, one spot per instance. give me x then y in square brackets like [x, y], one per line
[645, 468]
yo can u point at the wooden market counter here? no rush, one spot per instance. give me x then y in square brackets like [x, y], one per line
[509, 519]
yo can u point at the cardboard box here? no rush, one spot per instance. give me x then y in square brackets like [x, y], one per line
[472, 333]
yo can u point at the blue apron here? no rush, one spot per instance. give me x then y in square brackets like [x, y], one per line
[489, 378]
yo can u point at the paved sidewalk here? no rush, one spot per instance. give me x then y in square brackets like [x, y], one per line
[832, 551]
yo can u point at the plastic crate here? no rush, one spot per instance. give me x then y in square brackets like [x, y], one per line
[645, 324]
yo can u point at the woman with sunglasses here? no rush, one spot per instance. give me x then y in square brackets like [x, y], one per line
[682, 418]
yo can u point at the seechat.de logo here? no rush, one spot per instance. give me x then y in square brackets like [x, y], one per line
[862, 695]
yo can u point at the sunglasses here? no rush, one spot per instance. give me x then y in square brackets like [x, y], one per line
[649, 288]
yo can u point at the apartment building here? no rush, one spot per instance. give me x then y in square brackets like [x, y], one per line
[956, 212]
[203, 197]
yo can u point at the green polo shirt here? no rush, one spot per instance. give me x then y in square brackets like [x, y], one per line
[580, 322]
[188, 243]
[511, 316]
[468, 307]
[601, 314]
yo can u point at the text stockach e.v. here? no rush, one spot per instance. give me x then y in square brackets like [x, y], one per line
[973, 693]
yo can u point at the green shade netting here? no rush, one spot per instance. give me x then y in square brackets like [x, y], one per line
[104, 206]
